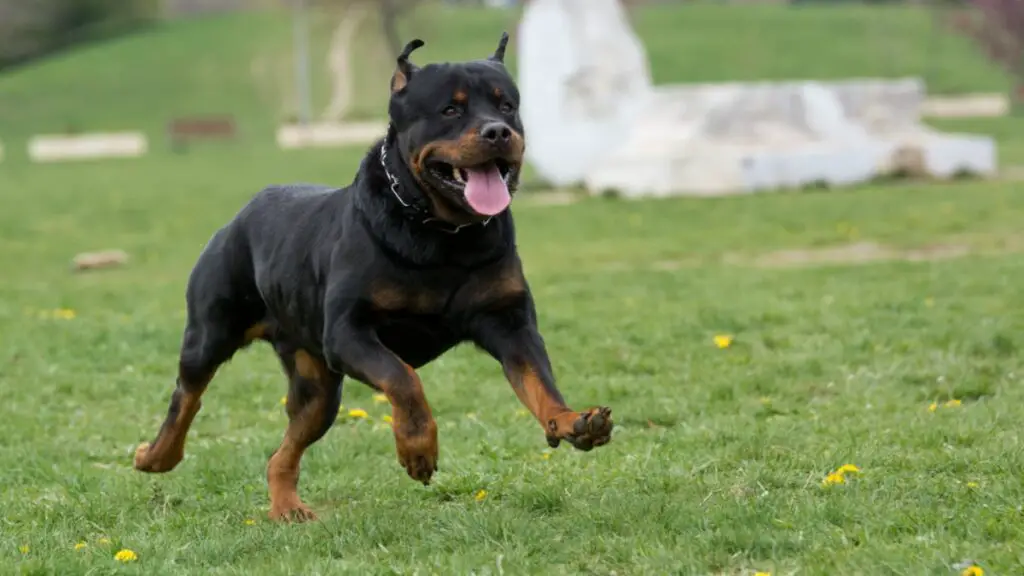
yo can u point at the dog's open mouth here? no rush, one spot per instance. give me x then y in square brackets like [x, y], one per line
[484, 186]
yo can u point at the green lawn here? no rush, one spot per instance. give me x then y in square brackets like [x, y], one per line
[243, 65]
[718, 457]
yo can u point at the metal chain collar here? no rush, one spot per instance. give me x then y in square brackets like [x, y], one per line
[394, 190]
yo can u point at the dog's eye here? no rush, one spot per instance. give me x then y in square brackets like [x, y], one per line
[506, 108]
[450, 111]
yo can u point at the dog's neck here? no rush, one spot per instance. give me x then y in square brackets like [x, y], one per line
[406, 190]
[400, 219]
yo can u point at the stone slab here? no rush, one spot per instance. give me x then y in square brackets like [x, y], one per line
[57, 148]
[323, 135]
[736, 138]
[966, 106]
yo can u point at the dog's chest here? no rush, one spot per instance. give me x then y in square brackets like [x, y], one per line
[394, 299]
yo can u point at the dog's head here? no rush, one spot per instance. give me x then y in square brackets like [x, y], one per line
[458, 131]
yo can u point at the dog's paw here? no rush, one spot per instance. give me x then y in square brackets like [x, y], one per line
[291, 510]
[417, 453]
[146, 461]
[589, 430]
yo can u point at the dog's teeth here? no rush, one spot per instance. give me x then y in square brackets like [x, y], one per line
[460, 175]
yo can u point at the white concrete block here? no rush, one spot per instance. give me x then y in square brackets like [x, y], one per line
[966, 106]
[329, 134]
[56, 148]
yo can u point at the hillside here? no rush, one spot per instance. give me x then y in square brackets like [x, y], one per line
[242, 64]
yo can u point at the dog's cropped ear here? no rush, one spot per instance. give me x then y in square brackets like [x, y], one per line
[499, 54]
[405, 69]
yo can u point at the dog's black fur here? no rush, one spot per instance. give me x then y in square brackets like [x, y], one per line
[376, 279]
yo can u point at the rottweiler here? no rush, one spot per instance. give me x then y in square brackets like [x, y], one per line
[376, 279]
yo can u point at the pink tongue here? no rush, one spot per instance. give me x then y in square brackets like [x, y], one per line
[486, 191]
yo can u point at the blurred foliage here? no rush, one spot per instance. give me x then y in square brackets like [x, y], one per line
[34, 28]
[997, 27]
[388, 14]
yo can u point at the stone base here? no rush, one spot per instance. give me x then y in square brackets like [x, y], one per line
[736, 138]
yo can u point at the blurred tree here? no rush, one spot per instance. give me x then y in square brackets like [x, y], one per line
[997, 26]
[32, 28]
[389, 13]
[351, 17]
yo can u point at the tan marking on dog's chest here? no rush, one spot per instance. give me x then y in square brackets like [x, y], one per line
[398, 298]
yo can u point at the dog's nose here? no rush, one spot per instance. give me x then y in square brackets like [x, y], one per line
[496, 133]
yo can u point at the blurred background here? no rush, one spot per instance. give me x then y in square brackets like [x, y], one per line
[72, 66]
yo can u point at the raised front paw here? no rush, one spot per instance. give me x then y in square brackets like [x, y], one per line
[417, 451]
[584, 430]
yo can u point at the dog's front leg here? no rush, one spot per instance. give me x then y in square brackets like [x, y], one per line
[356, 351]
[510, 335]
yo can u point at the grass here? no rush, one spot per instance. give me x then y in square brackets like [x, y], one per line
[718, 456]
[243, 64]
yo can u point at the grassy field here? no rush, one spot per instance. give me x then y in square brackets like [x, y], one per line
[242, 65]
[719, 454]
[879, 327]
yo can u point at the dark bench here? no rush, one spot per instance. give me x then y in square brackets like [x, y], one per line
[180, 131]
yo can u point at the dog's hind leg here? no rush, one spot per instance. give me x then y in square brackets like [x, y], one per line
[314, 395]
[205, 346]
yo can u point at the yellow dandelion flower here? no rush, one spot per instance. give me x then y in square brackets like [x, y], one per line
[834, 478]
[80, 545]
[104, 540]
[126, 555]
[250, 522]
[972, 485]
[848, 468]
[357, 413]
[480, 495]
[387, 418]
[23, 548]
[284, 400]
[546, 456]
[64, 314]
[723, 340]
[379, 398]
[762, 574]
[953, 403]
[933, 406]
[973, 571]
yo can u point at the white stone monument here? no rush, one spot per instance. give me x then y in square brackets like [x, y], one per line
[592, 115]
[583, 77]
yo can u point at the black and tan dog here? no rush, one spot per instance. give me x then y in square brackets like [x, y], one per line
[379, 278]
